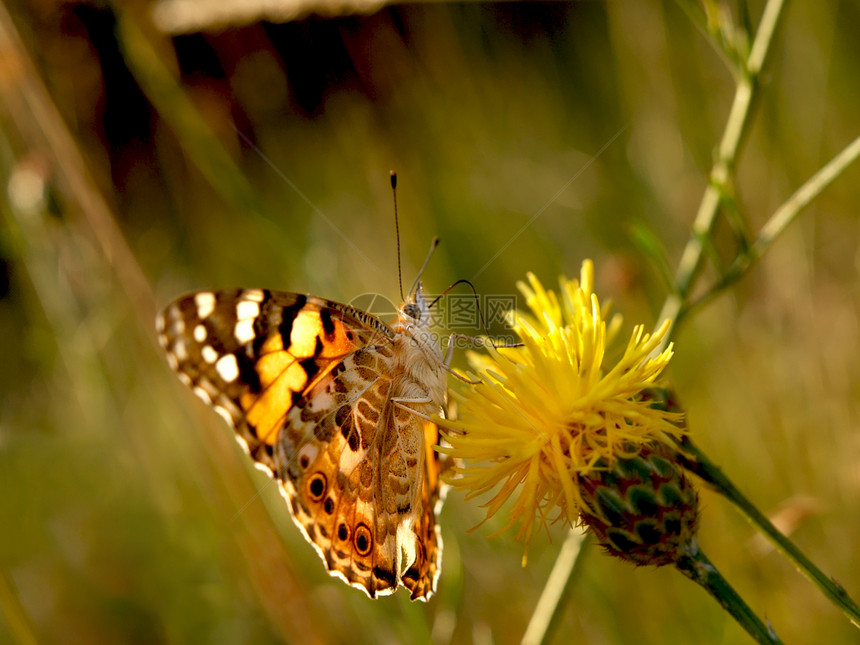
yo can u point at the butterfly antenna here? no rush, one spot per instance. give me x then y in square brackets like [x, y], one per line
[397, 230]
[480, 313]
[433, 246]
[474, 293]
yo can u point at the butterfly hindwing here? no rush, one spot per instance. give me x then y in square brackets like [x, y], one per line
[331, 450]
[422, 575]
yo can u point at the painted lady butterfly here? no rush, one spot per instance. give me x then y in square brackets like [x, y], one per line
[333, 403]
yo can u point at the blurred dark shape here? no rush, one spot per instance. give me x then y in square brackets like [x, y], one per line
[125, 113]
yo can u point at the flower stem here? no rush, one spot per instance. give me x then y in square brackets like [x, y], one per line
[779, 221]
[696, 566]
[697, 462]
[557, 587]
[736, 126]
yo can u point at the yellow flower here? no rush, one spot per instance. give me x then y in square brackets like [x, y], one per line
[548, 413]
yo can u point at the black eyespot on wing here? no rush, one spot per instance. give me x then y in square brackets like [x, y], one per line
[342, 532]
[363, 540]
[317, 487]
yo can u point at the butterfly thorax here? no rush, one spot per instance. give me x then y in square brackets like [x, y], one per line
[418, 357]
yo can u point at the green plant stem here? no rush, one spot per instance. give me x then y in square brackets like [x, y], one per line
[557, 588]
[697, 462]
[780, 220]
[696, 566]
[677, 305]
[736, 126]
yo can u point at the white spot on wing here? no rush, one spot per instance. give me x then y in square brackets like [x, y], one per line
[205, 302]
[227, 368]
[228, 406]
[244, 330]
[263, 468]
[256, 295]
[171, 360]
[178, 327]
[180, 350]
[247, 309]
[209, 354]
[203, 395]
[224, 414]
[200, 333]
[406, 538]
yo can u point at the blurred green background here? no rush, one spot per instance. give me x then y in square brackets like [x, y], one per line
[527, 136]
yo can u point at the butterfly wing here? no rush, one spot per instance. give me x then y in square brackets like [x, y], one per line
[423, 574]
[307, 384]
[252, 353]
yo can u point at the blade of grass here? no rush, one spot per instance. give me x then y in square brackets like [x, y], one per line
[151, 70]
[34, 115]
[33, 112]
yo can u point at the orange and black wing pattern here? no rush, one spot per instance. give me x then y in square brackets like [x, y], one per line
[252, 354]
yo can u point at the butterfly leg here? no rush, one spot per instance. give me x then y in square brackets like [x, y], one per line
[449, 355]
[449, 351]
[400, 400]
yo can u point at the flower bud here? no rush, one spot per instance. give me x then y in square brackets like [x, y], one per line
[642, 508]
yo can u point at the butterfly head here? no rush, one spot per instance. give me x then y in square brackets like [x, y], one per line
[415, 310]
